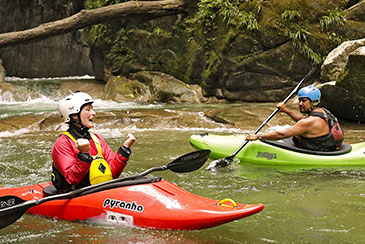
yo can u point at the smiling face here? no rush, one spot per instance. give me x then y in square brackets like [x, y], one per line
[305, 105]
[87, 116]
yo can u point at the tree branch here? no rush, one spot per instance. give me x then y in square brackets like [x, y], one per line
[91, 17]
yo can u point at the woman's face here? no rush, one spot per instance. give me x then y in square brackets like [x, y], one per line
[87, 116]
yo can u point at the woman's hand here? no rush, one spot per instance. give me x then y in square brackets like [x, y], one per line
[130, 140]
[83, 145]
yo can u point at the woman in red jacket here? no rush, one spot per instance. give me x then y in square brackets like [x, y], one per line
[80, 157]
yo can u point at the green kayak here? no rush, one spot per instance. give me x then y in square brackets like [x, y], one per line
[281, 152]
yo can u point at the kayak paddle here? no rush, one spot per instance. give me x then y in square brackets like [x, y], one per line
[223, 162]
[13, 207]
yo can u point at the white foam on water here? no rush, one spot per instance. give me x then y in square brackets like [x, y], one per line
[83, 77]
[10, 98]
[122, 132]
[100, 104]
[23, 131]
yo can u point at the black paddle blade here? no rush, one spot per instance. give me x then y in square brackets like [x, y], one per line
[10, 211]
[219, 163]
[189, 162]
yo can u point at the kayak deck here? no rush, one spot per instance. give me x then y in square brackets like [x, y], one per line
[277, 153]
[158, 204]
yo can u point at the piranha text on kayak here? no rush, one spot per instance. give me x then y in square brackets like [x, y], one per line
[133, 206]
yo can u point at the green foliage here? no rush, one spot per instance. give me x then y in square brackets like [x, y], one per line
[231, 12]
[299, 33]
[160, 32]
[334, 19]
[305, 49]
[336, 38]
[92, 4]
[99, 33]
[295, 30]
[120, 48]
[330, 22]
[291, 15]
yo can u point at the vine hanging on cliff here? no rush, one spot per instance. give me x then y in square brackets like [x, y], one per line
[331, 23]
[299, 35]
[334, 19]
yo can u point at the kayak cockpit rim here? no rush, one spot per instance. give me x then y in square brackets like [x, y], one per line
[51, 190]
[289, 145]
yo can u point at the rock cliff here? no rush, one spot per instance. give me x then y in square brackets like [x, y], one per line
[65, 55]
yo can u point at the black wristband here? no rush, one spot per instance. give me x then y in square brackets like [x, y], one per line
[125, 151]
[85, 157]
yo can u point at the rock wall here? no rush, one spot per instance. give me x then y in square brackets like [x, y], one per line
[234, 63]
[347, 97]
[238, 64]
[64, 55]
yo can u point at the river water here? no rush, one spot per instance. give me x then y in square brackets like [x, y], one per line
[322, 205]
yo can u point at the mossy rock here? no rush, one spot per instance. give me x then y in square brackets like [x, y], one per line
[354, 76]
[121, 89]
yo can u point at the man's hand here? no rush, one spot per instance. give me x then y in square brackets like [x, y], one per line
[83, 145]
[252, 137]
[282, 107]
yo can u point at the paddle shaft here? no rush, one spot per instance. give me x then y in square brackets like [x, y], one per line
[276, 110]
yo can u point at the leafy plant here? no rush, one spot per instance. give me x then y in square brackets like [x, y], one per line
[232, 13]
[299, 33]
[120, 51]
[334, 19]
[160, 32]
[300, 36]
[99, 33]
[92, 4]
[336, 38]
[295, 30]
[304, 49]
[291, 15]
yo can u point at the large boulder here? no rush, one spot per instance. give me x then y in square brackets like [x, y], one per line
[121, 89]
[165, 88]
[148, 86]
[268, 76]
[336, 61]
[347, 98]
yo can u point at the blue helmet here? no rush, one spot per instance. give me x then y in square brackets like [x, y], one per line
[311, 92]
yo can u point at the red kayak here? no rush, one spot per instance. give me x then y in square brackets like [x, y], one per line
[148, 203]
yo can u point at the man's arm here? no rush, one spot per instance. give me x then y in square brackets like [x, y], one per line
[282, 108]
[300, 128]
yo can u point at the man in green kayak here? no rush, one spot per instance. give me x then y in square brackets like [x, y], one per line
[315, 129]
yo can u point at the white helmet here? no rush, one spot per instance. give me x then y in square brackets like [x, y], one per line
[72, 104]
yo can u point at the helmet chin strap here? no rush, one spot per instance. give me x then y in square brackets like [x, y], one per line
[78, 121]
[313, 104]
